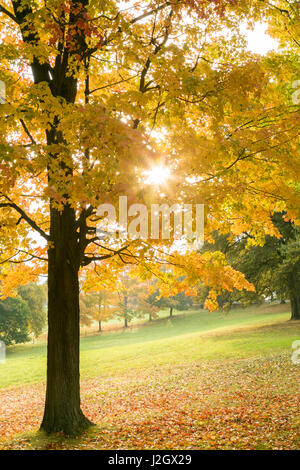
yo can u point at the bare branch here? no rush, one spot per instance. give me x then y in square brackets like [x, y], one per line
[113, 84]
[23, 214]
[31, 257]
[27, 131]
[88, 259]
[8, 13]
[150, 12]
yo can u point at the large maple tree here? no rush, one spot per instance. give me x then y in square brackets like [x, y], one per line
[100, 92]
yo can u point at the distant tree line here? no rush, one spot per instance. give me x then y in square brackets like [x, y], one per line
[130, 299]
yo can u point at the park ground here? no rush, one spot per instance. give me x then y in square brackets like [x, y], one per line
[197, 381]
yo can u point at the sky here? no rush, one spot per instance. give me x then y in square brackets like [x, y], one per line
[258, 41]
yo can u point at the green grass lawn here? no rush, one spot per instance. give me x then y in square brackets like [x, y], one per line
[197, 381]
[187, 337]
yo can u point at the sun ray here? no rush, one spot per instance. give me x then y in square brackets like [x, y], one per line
[157, 175]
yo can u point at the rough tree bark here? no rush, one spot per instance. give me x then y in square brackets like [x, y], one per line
[62, 407]
[294, 289]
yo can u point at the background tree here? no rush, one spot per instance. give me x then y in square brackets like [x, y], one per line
[179, 302]
[125, 300]
[272, 267]
[35, 295]
[96, 306]
[14, 319]
[104, 309]
[146, 299]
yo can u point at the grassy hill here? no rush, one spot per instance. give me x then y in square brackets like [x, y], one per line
[197, 381]
[188, 336]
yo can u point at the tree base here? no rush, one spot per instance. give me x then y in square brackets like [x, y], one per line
[71, 424]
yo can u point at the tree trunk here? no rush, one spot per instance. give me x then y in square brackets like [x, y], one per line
[125, 308]
[171, 312]
[150, 317]
[62, 407]
[99, 312]
[295, 307]
[294, 296]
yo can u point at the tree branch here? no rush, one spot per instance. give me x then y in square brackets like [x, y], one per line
[32, 256]
[113, 84]
[8, 13]
[27, 132]
[31, 222]
[148, 13]
[88, 259]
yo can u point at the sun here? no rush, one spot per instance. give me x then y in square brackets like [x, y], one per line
[157, 175]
